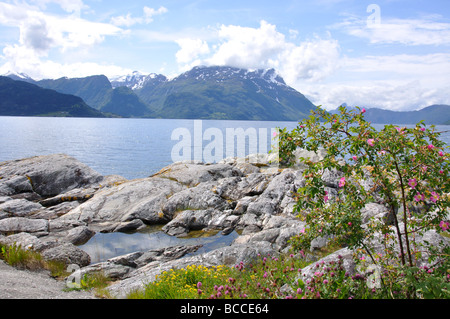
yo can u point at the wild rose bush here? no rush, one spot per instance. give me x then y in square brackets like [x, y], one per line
[404, 169]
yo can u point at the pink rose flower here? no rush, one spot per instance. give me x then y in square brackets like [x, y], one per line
[419, 197]
[434, 197]
[413, 183]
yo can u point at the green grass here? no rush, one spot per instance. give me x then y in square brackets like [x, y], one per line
[266, 278]
[14, 255]
[20, 258]
[183, 283]
[97, 282]
[280, 277]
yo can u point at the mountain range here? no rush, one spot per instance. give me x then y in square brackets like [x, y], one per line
[215, 92]
[19, 98]
[433, 114]
[201, 93]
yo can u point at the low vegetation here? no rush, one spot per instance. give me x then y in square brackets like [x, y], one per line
[280, 277]
[408, 169]
[96, 282]
[21, 258]
[27, 259]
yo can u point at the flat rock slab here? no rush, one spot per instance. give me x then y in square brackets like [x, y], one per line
[49, 249]
[24, 284]
[190, 174]
[22, 224]
[48, 175]
[138, 199]
[20, 208]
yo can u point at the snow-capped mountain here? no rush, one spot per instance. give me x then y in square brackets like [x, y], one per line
[210, 92]
[204, 92]
[224, 73]
[17, 76]
[136, 80]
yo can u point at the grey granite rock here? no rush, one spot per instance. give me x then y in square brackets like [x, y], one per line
[47, 175]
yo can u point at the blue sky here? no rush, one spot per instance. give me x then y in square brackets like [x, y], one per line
[392, 54]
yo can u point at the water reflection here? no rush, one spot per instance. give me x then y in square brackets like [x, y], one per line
[104, 246]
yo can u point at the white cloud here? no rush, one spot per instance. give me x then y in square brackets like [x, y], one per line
[248, 47]
[402, 31]
[317, 68]
[40, 33]
[20, 59]
[311, 60]
[262, 48]
[208, 34]
[431, 68]
[127, 20]
[191, 49]
[24, 60]
[75, 32]
[390, 95]
[396, 82]
[148, 14]
[73, 6]
[35, 35]
[293, 33]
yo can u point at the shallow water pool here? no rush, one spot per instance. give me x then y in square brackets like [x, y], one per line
[103, 246]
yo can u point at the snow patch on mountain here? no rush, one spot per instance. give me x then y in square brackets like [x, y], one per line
[223, 73]
[135, 80]
[17, 76]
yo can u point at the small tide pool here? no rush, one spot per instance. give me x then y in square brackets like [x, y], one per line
[103, 246]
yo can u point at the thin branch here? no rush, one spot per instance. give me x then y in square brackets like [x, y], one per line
[404, 211]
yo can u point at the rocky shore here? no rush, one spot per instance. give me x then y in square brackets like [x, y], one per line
[55, 203]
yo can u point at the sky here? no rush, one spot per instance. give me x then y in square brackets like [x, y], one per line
[390, 54]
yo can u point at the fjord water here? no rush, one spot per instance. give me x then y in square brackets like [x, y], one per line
[132, 148]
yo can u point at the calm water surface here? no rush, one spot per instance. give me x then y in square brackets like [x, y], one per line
[132, 148]
[103, 246]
